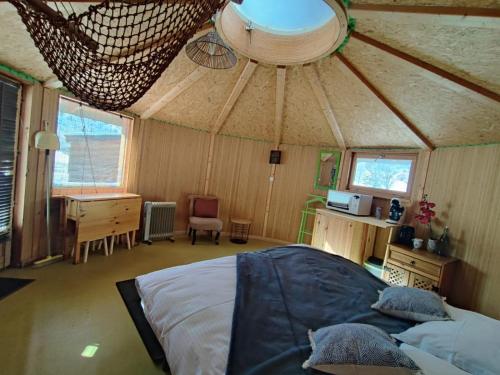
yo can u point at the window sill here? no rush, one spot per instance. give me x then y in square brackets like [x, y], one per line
[404, 198]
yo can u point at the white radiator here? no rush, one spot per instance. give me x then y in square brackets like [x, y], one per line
[159, 219]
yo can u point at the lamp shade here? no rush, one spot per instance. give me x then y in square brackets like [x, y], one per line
[210, 51]
[46, 140]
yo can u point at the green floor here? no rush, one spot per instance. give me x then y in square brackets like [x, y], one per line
[45, 326]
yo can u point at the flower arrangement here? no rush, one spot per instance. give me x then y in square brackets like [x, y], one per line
[426, 213]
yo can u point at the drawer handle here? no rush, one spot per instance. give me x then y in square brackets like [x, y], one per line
[413, 262]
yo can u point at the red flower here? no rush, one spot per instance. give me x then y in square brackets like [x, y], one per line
[426, 214]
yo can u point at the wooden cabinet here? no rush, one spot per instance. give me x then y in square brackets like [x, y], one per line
[101, 215]
[349, 236]
[418, 269]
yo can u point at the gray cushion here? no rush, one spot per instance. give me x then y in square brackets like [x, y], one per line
[353, 348]
[412, 304]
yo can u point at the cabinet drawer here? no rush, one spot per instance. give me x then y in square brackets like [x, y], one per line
[410, 262]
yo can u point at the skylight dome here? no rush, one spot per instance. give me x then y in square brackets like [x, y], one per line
[285, 16]
[283, 32]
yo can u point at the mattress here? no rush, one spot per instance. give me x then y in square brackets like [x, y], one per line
[190, 309]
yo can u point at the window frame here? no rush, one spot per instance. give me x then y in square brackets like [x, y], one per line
[383, 193]
[89, 190]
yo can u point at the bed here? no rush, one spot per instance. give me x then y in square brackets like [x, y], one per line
[193, 311]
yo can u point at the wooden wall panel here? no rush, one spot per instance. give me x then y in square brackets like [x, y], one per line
[171, 165]
[29, 243]
[464, 183]
[171, 162]
[240, 180]
[293, 181]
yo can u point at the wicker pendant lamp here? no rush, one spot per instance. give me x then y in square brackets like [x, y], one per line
[210, 51]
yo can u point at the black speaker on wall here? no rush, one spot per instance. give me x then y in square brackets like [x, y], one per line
[275, 157]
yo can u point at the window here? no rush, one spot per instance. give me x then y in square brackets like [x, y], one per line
[94, 149]
[8, 126]
[383, 175]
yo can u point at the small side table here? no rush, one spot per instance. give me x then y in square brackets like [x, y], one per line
[240, 229]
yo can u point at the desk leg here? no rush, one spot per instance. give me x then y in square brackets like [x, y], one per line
[128, 241]
[76, 260]
[112, 244]
[64, 222]
[133, 238]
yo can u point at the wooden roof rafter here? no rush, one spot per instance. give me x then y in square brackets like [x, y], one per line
[427, 66]
[320, 94]
[178, 89]
[238, 88]
[419, 138]
[280, 104]
[428, 9]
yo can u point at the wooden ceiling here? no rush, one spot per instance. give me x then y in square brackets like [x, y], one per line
[410, 78]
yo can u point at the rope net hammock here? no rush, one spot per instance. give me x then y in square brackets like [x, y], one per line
[110, 54]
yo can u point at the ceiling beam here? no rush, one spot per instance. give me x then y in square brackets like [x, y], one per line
[235, 94]
[422, 9]
[429, 67]
[419, 138]
[313, 78]
[280, 104]
[173, 93]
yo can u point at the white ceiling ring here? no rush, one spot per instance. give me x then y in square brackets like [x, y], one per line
[269, 47]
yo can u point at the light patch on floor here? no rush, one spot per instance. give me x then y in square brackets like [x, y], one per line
[71, 319]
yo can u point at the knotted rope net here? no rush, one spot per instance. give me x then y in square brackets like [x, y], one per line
[111, 53]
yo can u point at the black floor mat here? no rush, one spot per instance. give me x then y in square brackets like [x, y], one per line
[9, 285]
[132, 300]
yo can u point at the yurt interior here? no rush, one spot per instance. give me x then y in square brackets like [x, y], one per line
[249, 187]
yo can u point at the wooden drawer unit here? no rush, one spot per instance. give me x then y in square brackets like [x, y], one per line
[418, 269]
[102, 215]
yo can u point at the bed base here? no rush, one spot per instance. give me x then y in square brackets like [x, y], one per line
[132, 301]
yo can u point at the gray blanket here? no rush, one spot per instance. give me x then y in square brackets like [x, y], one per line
[283, 292]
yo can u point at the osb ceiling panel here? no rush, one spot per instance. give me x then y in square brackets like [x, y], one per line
[358, 111]
[303, 121]
[199, 105]
[470, 52]
[180, 68]
[456, 3]
[447, 113]
[17, 49]
[253, 114]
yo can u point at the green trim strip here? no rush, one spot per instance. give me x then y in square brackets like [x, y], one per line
[470, 145]
[18, 74]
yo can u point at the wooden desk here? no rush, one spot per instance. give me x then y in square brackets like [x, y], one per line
[350, 236]
[98, 216]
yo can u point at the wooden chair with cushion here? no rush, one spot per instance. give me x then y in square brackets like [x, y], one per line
[204, 215]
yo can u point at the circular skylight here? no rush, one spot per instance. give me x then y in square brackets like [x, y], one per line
[285, 16]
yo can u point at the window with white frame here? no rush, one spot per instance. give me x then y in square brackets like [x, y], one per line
[383, 174]
[94, 149]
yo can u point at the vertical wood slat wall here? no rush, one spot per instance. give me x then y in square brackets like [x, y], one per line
[170, 162]
[464, 183]
[38, 105]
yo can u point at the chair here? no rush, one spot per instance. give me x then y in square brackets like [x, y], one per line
[204, 215]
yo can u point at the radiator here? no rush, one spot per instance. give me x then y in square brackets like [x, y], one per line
[159, 219]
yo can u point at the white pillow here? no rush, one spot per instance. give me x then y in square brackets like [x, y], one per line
[471, 342]
[429, 364]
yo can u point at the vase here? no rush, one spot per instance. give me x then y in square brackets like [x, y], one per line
[417, 243]
[431, 245]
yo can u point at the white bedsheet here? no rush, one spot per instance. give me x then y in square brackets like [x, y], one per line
[190, 309]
